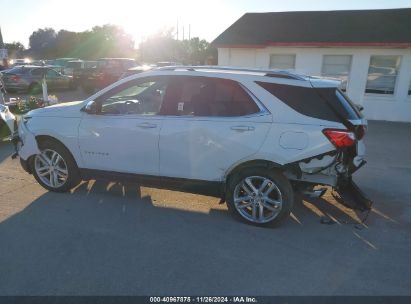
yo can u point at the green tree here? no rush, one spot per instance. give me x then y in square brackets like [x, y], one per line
[65, 43]
[163, 47]
[14, 49]
[160, 47]
[111, 41]
[42, 43]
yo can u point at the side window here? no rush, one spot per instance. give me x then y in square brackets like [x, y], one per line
[144, 97]
[51, 74]
[37, 72]
[206, 96]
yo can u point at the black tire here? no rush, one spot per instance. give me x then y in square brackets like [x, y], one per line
[277, 178]
[73, 178]
[35, 88]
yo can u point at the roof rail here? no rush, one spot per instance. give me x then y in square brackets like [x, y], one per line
[268, 73]
[176, 67]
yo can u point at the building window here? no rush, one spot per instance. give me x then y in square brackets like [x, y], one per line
[382, 74]
[282, 61]
[337, 66]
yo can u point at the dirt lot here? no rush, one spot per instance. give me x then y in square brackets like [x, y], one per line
[116, 239]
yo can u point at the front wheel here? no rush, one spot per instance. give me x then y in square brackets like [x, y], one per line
[54, 168]
[260, 197]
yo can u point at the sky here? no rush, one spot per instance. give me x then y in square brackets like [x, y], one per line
[206, 18]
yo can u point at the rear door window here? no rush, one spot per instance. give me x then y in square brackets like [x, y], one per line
[206, 96]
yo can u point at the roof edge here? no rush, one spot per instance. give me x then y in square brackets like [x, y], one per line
[399, 45]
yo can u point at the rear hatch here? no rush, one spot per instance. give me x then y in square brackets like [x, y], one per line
[324, 100]
[349, 115]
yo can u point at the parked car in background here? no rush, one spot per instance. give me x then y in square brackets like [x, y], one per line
[251, 137]
[28, 78]
[61, 61]
[18, 62]
[7, 122]
[107, 71]
[137, 70]
[76, 69]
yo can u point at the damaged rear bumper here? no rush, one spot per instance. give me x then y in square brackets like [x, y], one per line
[351, 195]
[334, 169]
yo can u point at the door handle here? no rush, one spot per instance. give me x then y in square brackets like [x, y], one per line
[147, 125]
[242, 128]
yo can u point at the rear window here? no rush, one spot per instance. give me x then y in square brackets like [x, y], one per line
[321, 103]
[340, 102]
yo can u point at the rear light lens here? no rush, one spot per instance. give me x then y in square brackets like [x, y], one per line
[360, 132]
[15, 78]
[340, 138]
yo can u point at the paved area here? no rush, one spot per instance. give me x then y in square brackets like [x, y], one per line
[119, 239]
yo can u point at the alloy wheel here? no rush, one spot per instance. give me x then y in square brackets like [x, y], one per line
[258, 199]
[51, 168]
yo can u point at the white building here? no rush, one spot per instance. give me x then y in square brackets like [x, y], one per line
[370, 51]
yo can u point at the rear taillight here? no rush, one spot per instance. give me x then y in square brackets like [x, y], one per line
[340, 138]
[360, 131]
[15, 78]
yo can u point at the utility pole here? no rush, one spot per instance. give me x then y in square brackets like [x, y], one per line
[189, 31]
[177, 28]
[183, 32]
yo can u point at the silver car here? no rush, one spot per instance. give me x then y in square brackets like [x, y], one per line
[29, 78]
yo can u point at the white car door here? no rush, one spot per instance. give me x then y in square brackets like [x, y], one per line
[210, 124]
[122, 133]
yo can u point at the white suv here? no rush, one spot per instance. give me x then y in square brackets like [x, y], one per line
[250, 137]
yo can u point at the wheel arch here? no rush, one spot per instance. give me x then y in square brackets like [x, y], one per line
[263, 163]
[42, 138]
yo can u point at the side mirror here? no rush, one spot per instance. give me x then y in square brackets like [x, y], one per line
[90, 107]
[359, 107]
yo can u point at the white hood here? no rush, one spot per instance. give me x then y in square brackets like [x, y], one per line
[67, 109]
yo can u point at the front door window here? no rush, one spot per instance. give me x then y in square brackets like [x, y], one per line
[143, 98]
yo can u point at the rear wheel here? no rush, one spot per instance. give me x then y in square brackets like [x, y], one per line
[54, 168]
[260, 197]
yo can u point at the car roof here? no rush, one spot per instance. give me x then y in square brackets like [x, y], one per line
[237, 73]
[238, 70]
[140, 68]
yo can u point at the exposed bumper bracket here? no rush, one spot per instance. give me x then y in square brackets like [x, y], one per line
[352, 196]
